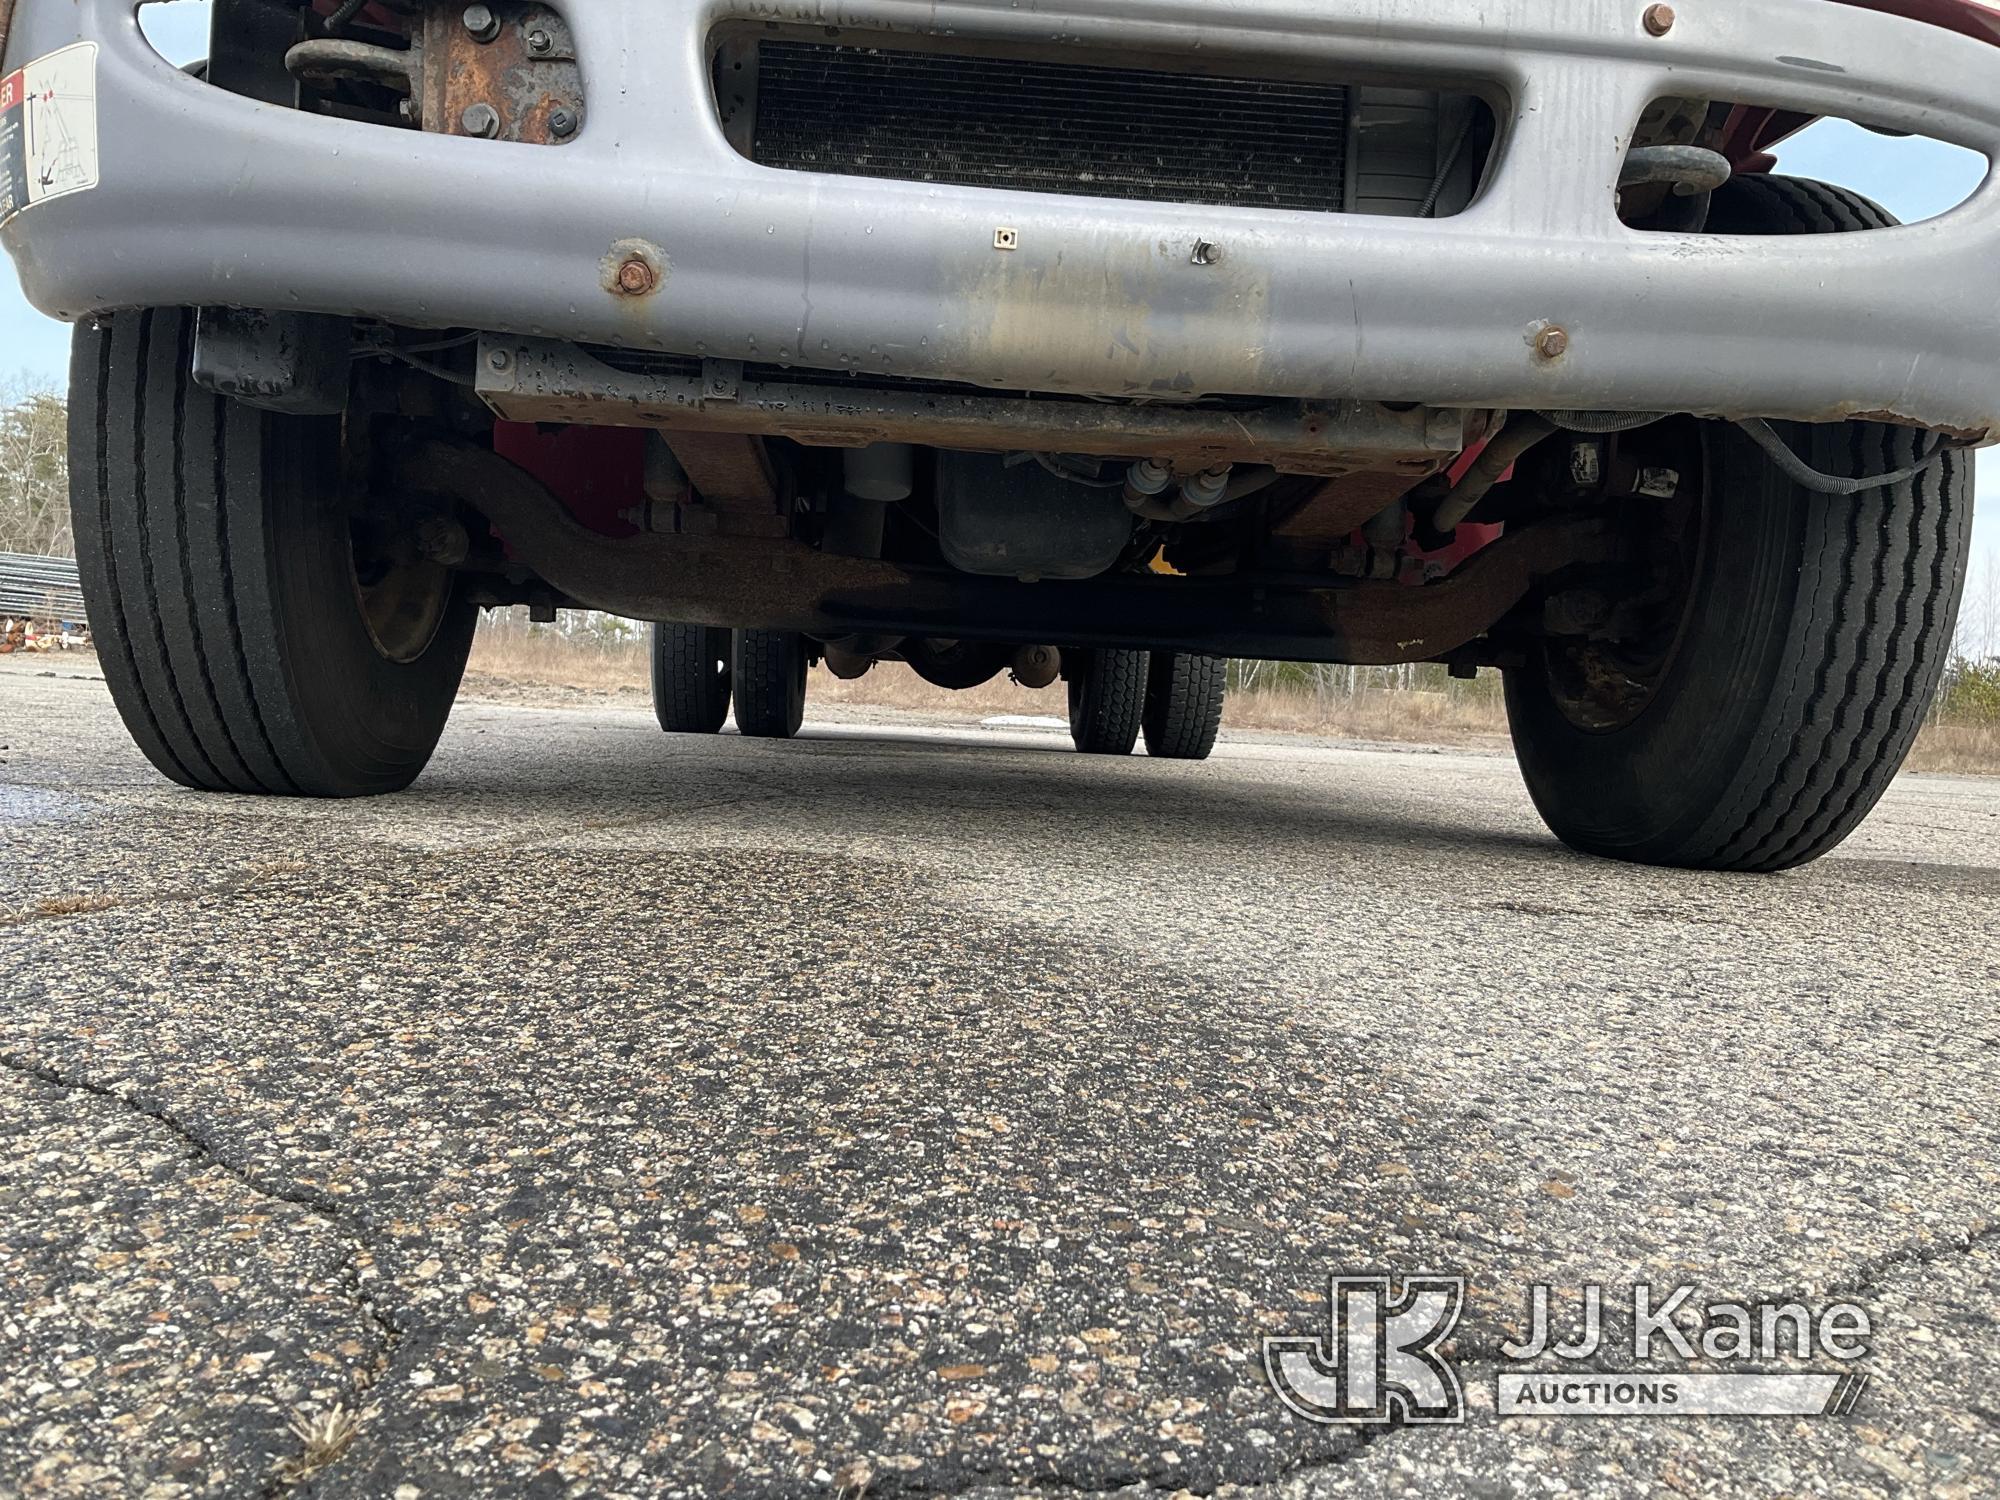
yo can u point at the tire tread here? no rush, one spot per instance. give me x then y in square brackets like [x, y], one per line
[132, 422]
[97, 556]
[211, 501]
[170, 489]
[1109, 704]
[165, 451]
[764, 676]
[1184, 699]
[1867, 632]
[685, 698]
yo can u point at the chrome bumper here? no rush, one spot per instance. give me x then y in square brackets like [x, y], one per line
[208, 198]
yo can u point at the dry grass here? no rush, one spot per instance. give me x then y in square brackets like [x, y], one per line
[323, 1439]
[60, 906]
[1419, 718]
[514, 664]
[73, 906]
[1960, 749]
[893, 685]
[514, 659]
[1414, 717]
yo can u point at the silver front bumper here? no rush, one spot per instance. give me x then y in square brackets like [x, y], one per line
[207, 198]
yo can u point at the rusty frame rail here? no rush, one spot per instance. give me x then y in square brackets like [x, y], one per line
[787, 585]
[541, 380]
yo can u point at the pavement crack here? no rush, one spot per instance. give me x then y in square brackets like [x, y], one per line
[1917, 1253]
[1365, 1436]
[1133, 1484]
[354, 1285]
[256, 880]
[975, 1480]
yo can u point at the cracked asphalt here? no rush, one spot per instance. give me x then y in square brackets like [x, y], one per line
[925, 1110]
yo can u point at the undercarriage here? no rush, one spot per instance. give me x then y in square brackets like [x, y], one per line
[1094, 356]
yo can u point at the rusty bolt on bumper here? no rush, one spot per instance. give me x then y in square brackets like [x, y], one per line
[635, 277]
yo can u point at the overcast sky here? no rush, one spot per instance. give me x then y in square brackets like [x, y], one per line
[1913, 179]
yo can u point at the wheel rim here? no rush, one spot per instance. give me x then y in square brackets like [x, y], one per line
[403, 597]
[1602, 687]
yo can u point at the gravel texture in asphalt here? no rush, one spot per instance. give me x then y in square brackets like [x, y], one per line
[918, 1110]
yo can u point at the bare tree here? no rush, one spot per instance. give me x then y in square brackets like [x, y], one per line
[34, 471]
[1979, 614]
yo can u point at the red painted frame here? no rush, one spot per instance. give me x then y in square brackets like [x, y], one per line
[1753, 131]
[1966, 17]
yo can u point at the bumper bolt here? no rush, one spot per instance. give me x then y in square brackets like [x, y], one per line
[562, 123]
[540, 43]
[499, 360]
[635, 278]
[481, 23]
[1659, 19]
[481, 120]
[1552, 343]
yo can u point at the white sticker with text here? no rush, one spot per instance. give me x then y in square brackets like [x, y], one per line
[48, 129]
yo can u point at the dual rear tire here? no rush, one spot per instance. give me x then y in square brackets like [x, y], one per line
[697, 669]
[692, 677]
[769, 672]
[1173, 698]
[1184, 695]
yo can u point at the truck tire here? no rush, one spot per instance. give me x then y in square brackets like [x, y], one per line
[1816, 630]
[253, 636]
[769, 677]
[1184, 705]
[1107, 700]
[691, 672]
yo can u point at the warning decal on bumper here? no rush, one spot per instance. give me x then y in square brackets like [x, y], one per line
[48, 129]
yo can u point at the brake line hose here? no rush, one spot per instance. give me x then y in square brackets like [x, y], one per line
[1765, 436]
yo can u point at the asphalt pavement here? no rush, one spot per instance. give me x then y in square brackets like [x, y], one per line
[919, 1109]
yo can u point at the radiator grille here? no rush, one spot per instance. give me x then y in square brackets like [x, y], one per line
[1050, 127]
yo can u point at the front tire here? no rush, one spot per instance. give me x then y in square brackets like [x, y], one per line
[1184, 696]
[254, 635]
[770, 683]
[1107, 700]
[1817, 633]
[691, 675]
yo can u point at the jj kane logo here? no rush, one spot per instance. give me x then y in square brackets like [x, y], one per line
[1382, 1357]
[1378, 1360]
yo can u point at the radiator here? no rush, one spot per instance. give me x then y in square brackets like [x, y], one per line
[1050, 127]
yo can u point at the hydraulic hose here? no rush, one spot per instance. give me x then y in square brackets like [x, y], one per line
[1507, 447]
